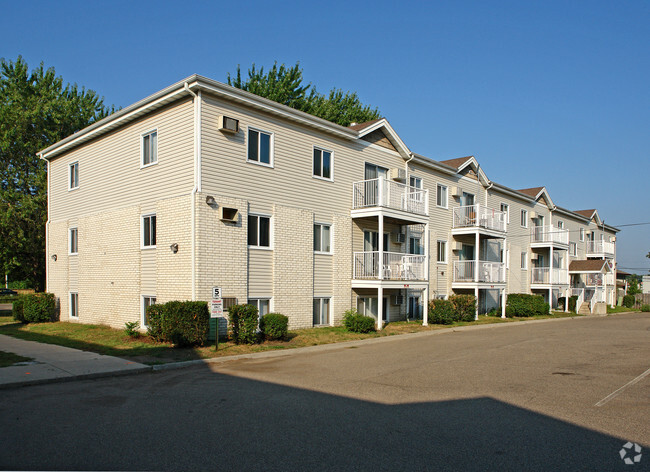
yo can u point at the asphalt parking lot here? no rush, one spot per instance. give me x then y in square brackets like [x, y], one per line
[561, 395]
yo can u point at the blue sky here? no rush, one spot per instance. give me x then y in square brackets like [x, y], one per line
[550, 93]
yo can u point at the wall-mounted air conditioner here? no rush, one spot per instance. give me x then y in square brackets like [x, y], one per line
[456, 191]
[534, 257]
[532, 215]
[398, 237]
[397, 174]
[228, 125]
[456, 246]
[229, 215]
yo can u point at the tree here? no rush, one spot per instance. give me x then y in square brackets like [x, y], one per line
[633, 284]
[285, 85]
[36, 110]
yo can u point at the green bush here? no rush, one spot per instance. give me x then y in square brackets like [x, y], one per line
[34, 308]
[131, 329]
[274, 326]
[358, 323]
[464, 307]
[243, 324]
[441, 311]
[628, 301]
[20, 284]
[180, 323]
[645, 308]
[525, 305]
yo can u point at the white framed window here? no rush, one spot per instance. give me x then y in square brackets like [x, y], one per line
[148, 231]
[560, 224]
[147, 301]
[263, 305]
[442, 252]
[73, 180]
[149, 148]
[322, 238]
[260, 147]
[573, 249]
[415, 245]
[582, 234]
[524, 260]
[259, 231]
[415, 182]
[74, 305]
[441, 196]
[524, 218]
[73, 239]
[323, 164]
[321, 311]
[506, 209]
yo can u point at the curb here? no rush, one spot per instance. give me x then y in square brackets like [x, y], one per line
[72, 378]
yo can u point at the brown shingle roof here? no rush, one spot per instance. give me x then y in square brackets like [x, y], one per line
[360, 126]
[532, 192]
[585, 213]
[591, 265]
[456, 163]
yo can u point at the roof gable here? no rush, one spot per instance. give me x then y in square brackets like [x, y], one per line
[367, 129]
[462, 165]
[537, 193]
[591, 215]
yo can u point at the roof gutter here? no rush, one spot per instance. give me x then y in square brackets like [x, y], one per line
[197, 177]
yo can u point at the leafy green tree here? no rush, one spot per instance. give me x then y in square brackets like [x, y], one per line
[36, 110]
[284, 85]
[633, 284]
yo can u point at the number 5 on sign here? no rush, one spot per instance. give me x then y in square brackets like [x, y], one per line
[216, 293]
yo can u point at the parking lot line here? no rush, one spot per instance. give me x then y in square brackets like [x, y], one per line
[617, 392]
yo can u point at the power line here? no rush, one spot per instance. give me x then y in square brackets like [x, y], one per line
[631, 224]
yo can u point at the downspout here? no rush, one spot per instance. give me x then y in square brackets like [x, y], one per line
[197, 178]
[47, 228]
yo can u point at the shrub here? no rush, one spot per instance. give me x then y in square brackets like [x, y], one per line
[524, 305]
[179, 323]
[464, 307]
[645, 308]
[274, 326]
[243, 324]
[131, 328]
[628, 301]
[34, 308]
[20, 284]
[358, 323]
[441, 311]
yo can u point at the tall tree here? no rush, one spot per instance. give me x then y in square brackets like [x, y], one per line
[285, 85]
[36, 110]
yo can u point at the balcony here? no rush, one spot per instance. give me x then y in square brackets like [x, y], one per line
[549, 276]
[600, 248]
[598, 280]
[395, 266]
[478, 217]
[390, 195]
[549, 235]
[488, 272]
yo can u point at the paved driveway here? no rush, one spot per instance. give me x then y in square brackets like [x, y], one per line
[516, 397]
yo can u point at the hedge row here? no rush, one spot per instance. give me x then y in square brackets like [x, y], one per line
[525, 305]
[179, 323]
[34, 308]
[456, 308]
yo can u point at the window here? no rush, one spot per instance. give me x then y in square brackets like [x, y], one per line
[323, 164]
[506, 209]
[260, 146]
[73, 238]
[322, 238]
[373, 171]
[263, 305]
[74, 305]
[149, 231]
[524, 260]
[147, 301]
[415, 245]
[321, 311]
[74, 176]
[573, 249]
[149, 148]
[442, 252]
[582, 234]
[259, 231]
[560, 224]
[441, 196]
[524, 218]
[415, 182]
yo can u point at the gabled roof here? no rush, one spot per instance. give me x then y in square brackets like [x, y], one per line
[590, 266]
[532, 192]
[461, 163]
[591, 215]
[537, 193]
[360, 126]
[456, 163]
[368, 127]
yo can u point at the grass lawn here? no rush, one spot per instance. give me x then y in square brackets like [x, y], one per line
[8, 359]
[620, 309]
[114, 342]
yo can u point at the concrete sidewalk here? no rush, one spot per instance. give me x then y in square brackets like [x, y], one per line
[51, 363]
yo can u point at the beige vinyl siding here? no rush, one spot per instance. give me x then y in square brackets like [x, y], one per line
[322, 275]
[109, 167]
[260, 273]
[148, 271]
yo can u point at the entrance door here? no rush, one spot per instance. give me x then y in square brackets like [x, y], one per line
[373, 171]
[414, 309]
[467, 199]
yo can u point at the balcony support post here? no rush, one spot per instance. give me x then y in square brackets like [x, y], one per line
[567, 294]
[381, 247]
[425, 310]
[380, 308]
[476, 296]
[550, 298]
[476, 251]
[503, 303]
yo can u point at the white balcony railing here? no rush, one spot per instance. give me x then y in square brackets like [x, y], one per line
[395, 266]
[479, 216]
[547, 275]
[381, 192]
[600, 247]
[549, 234]
[580, 293]
[464, 271]
[598, 280]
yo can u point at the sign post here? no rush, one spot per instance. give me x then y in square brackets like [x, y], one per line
[216, 310]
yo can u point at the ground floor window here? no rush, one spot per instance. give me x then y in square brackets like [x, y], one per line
[369, 306]
[147, 300]
[74, 305]
[414, 308]
[321, 311]
[263, 305]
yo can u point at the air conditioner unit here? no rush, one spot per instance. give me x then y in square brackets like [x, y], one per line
[534, 257]
[398, 299]
[399, 237]
[228, 125]
[456, 246]
[456, 191]
[229, 215]
[397, 174]
[533, 214]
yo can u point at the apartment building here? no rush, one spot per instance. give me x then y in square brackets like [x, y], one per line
[203, 185]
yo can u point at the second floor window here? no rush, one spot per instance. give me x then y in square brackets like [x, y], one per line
[260, 147]
[149, 231]
[524, 218]
[322, 163]
[442, 252]
[74, 176]
[573, 250]
[441, 196]
[506, 209]
[582, 234]
[74, 241]
[150, 148]
[259, 231]
[322, 238]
